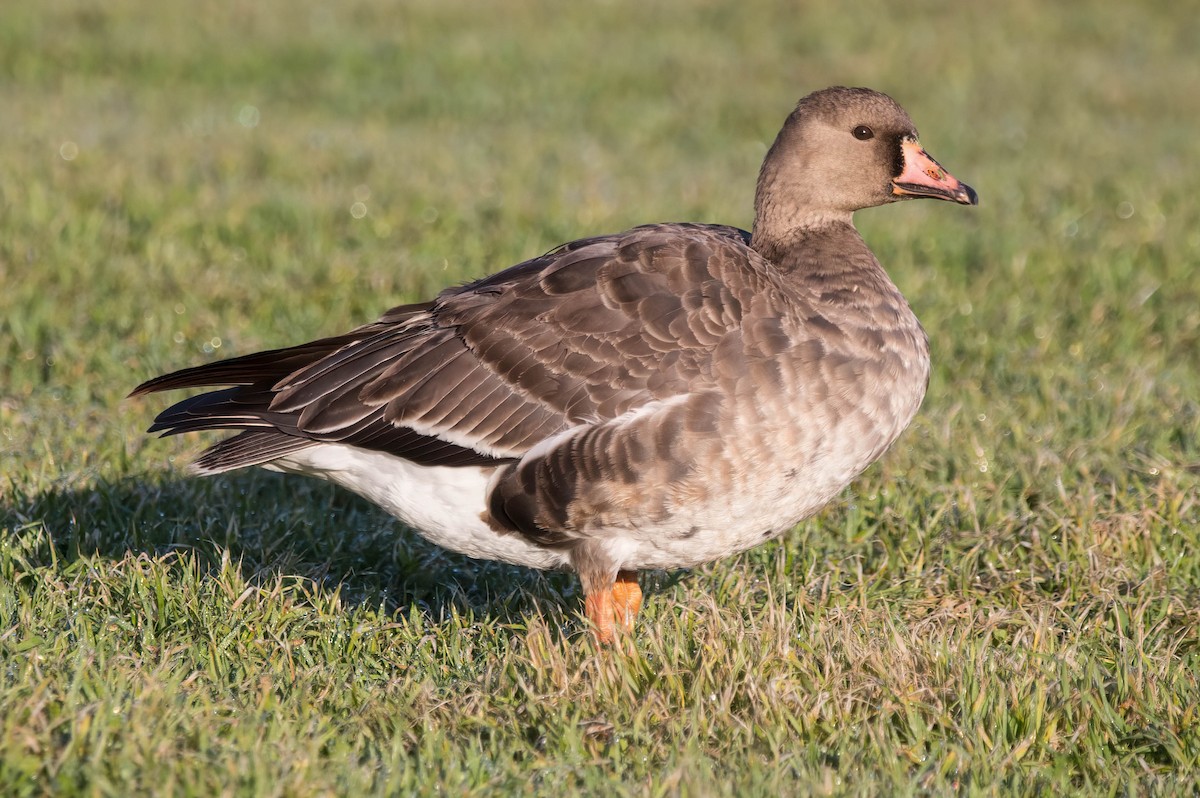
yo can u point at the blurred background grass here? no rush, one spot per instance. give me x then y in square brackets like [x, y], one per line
[180, 182]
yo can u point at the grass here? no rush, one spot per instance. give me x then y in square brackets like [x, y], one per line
[1008, 603]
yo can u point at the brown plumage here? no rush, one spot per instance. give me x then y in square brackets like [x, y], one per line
[655, 398]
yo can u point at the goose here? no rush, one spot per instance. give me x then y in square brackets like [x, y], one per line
[652, 399]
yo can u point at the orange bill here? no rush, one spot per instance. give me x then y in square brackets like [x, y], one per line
[924, 177]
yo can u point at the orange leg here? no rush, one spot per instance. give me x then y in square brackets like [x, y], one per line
[627, 599]
[599, 608]
[613, 605]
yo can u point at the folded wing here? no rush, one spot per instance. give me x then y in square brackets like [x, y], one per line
[582, 335]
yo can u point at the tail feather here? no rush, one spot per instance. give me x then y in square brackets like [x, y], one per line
[249, 448]
[272, 365]
[268, 433]
[245, 370]
[226, 408]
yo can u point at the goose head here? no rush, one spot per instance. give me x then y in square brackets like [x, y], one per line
[842, 150]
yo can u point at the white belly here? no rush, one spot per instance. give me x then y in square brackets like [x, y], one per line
[444, 504]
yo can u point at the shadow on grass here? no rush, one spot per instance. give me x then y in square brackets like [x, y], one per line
[271, 526]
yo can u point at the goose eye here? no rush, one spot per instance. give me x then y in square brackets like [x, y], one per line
[862, 133]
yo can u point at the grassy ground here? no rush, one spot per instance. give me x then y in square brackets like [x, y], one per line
[1009, 603]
